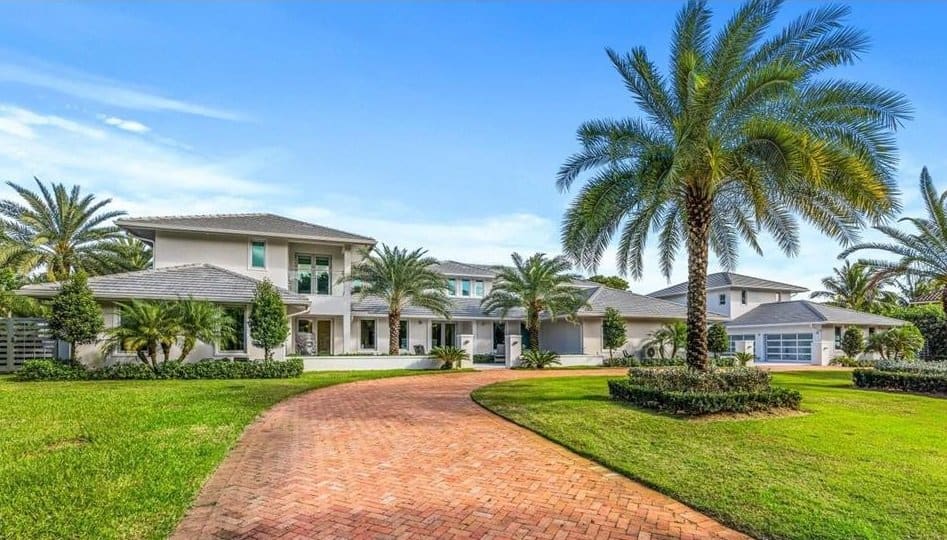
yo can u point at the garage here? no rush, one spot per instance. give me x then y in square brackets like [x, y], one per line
[789, 348]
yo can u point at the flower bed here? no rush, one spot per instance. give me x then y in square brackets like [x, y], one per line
[212, 368]
[684, 391]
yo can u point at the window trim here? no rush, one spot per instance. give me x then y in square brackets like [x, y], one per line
[374, 346]
[219, 351]
[250, 253]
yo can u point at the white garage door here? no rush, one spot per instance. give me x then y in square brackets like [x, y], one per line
[789, 348]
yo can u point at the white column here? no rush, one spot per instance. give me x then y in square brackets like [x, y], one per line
[514, 348]
[347, 333]
[467, 344]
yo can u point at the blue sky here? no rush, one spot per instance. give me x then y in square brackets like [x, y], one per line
[435, 125]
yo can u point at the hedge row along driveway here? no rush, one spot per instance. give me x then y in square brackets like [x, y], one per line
[861, 464]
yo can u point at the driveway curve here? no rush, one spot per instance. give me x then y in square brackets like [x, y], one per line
[415, 457]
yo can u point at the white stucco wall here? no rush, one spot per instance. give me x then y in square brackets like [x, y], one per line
[227, 251]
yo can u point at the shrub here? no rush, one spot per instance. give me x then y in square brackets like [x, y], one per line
[211, 368]
[724, 361]
[718, 342]
[448, 356]
[899, 343]
[269, 326]
[744, 358]
[902, 381]
[614, 333]
[698, 403]
[853, 343]
[534, 359]
[682, 379]
[483, 359]
[848, 361]
[911, 367]
[929, 319]
[75, 317]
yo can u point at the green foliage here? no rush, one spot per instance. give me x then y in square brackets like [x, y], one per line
[901, 381]
[135, 254]
[60, 232]
[683, 379]
[930, 320]
[699, 403]
[853, 343]
[269, 325]
[897, 344]
[537, 285]
[848, 361]
[538, 359]
[718, 341]
[672, 336]
[614, 282]
[12, 304]
[75, 317]
[211, 368]
[147, 328]
[198, 320]
[937, 368]
[614, 333]
[744, 358]
[857, 286]
[643, 360]
[449, 357]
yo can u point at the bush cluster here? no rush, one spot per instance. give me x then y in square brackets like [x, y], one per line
[644, 361]
[848, 361]
[698, 402]
[934, 368]
[681, 379]
[211, 368]
[902, 381]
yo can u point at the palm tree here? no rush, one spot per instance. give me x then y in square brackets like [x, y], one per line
[59, 231]
[146, 328]
[923, 254]
[401, 279]
[855, 286]
[198, 320]
[135, 254]
[741, 137]
[537, 285]
[672, 334]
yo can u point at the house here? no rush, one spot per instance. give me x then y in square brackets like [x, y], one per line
[221, 258]
[764, 319]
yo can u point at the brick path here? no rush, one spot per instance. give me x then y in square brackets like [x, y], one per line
[414, 457]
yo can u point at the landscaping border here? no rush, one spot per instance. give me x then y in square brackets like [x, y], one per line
[700, 403]
[901, 381]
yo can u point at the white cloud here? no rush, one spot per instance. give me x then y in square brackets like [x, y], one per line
[127, 125]
[100, 90]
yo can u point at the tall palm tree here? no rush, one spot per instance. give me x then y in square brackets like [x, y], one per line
[198, 320]
[538, 285]
[855, 286]
[146, 328]
[741, 137]
[401, 278]
[59, 231]
[923, 254]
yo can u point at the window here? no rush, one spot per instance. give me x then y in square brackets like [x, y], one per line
[356, 285]
[303, 274]
[871, 332]
[465, 287]
[258, 254]
[734, 338]
[403, 335]
[478, 288]
[722, 299]
[320, 272]
[367, 334]
[743, 297]
[236, 341]
[838, 337]
[452, 287]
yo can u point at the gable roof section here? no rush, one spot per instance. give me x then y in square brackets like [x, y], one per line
[806, 312]
[721, 280]
[265, 225]
[200, 281]
[634, 305]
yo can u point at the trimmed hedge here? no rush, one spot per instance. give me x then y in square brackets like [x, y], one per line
[681, 379]
[698, 403]
[901, 381]
[933, 368]
[212, 368]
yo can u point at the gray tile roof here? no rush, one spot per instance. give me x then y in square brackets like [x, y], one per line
[806, 311]
[634, 305]
[200, 281]
[454, 268]
[463, 308]
[729, 279]
[932, 297]
[251, 224]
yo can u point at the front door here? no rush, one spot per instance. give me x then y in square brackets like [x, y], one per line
[324, 337]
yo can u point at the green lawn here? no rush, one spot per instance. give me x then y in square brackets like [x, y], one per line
[123, 459]
[861, 464]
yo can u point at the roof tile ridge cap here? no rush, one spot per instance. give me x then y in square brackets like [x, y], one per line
[809, 305]
[192, 216]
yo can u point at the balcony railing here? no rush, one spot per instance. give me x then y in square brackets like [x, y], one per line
[316, 282]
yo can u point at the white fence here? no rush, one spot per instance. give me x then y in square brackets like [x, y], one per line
[23, 339]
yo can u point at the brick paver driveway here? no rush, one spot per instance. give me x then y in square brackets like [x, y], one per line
[415, 457]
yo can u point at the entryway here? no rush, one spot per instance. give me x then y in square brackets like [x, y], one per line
[313, 337]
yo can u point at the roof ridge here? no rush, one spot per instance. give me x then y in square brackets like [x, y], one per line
[808, 305]
[192, 216]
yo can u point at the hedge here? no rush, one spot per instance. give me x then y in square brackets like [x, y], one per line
[902, 381]
[212, 368]
[698, 403]
[932, 368]
[682, 379]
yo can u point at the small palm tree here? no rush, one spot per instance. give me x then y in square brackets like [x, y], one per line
[401, 278]
[198, 320]
[922, 253]
[741, 137]
[538, 285]
[671, 335]
[146, 328]
[60, 231]
[855, 286]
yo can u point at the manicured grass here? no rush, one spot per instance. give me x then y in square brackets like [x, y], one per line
[861, 464]
[113, 459]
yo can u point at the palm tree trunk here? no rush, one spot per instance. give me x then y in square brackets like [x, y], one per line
[532, 326]
[394, 332]
[697, 208]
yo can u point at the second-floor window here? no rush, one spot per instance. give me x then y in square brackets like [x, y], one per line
[258, 254]
[452, 287]
[478, 288]
[743, 297]
[722, 299]
[465, 287]
[312, 274]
